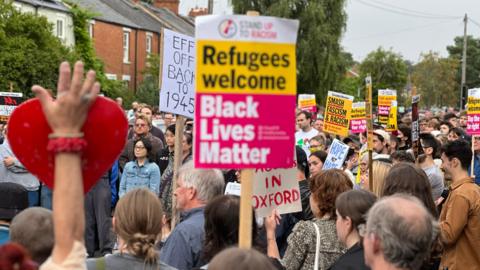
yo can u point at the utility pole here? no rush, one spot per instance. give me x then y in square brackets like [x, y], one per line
[210, 6]
[464, 61]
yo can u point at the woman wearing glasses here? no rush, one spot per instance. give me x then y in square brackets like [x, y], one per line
[141, 172]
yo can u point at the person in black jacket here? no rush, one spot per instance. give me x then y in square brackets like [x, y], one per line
[352, 207]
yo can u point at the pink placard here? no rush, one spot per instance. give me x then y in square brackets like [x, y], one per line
[244, 131]
[473, 124]
[358, 125]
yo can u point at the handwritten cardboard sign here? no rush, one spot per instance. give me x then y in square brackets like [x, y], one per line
[276, 189]
[336, 155]
[178, 74]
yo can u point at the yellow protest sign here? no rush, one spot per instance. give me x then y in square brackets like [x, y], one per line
[392, 117]
[337, 113]
[385, 98]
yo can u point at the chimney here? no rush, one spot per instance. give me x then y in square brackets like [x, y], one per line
[170, 4]
[194, 12]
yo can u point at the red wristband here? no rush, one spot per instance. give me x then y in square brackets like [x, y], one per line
[66, 145]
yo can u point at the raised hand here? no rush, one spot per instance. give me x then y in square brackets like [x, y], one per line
[67, 114]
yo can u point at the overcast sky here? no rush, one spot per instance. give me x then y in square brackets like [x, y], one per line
[428, 25]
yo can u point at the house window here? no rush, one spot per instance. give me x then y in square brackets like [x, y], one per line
[126, 46]
[61, 28]
[111, 76]
[126, 80]
[149, 44]
[90, 28]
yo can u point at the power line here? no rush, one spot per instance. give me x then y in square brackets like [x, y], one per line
[474, 22]
[414, 11]
[404, 13]
[399, 31]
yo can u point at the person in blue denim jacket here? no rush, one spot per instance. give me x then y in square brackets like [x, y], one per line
[141, 172]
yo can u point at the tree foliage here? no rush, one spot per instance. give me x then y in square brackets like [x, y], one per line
[473, 60]
[29, 52]
[148, 90]
[388, 70]
[435, 79]
[322, 22]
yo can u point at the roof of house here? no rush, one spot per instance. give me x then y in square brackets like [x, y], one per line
[135, 14]
[50, 4]
[104, 12]
[172, 20]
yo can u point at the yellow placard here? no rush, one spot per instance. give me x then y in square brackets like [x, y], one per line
[358, 113]
[305, 103]
[337, 114]
[392, 118]
[245, 68]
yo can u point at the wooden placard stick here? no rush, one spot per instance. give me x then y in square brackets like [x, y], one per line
[177, 163]
[246, 215]
[472, 171]
[369, 116]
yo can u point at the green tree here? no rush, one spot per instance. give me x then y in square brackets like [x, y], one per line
[322, 22]
[388, 70]
[473, 60]
[148, 90]
[435, 79]
[29, 52]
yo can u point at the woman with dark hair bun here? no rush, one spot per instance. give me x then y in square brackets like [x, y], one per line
[141, 172]
[352, 206]
[222, 218]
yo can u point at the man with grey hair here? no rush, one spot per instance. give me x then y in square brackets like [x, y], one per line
[398, 237]
[194, 189]
[33, 229]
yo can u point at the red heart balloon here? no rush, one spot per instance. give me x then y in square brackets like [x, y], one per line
[105, 131]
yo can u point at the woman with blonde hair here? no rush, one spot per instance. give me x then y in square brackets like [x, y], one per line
[137, 223]
[380, 171]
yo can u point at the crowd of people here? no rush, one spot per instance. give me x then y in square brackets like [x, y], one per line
[422, 210]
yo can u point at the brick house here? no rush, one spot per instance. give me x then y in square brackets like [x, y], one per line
[124, 34]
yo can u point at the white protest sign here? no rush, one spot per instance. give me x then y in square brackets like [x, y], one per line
[276, 189]
[177, 91]
[336, 155]
[8, 102]
[233, 188]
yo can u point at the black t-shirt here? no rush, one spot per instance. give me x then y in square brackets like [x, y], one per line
[352, 259]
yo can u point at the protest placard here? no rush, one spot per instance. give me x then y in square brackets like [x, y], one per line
[337, 113]
[8, 102]
[336, 155]
[276, 189]
[177, 89]
[392, 117]
[473, 112]
[385, 98]
[244, 66]
[358, 122]
[307, 102]
[415, 125]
